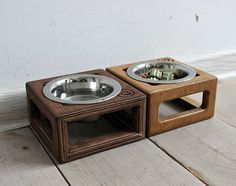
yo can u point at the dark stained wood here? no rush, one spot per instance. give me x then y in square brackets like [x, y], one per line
[156, 94]
[50, 119]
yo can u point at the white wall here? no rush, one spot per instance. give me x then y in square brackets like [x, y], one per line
[42, 38]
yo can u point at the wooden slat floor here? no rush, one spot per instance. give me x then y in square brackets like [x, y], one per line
[200, 154]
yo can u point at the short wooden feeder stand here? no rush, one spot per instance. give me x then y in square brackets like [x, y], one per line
[158, 93]
[66, 130]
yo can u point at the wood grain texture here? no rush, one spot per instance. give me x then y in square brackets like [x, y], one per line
[226, 104]
[13, 109]
[23, 161]
[140, 163]
[207, 149]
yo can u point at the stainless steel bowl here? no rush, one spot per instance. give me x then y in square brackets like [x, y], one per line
[184, 72]
[81, 89]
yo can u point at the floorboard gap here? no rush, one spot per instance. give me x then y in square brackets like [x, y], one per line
[50, 157]
[9, 130]
[181, 164]
[218, 117]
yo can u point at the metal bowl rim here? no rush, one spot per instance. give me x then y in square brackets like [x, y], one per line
[103, 79]
[133, 68]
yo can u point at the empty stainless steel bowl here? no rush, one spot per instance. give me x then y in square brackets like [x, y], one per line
[182, 72]
[81, 89]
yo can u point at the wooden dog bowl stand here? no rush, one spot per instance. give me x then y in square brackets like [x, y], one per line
[122, 121]
[156, 94]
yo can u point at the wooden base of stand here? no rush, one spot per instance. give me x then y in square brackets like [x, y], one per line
[156, 94]
[69, 134]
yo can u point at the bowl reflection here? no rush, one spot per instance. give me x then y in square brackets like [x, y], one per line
[81, 89]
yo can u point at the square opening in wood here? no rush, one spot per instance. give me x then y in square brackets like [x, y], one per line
[180, 106]
[89, 132]
[42, 122]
